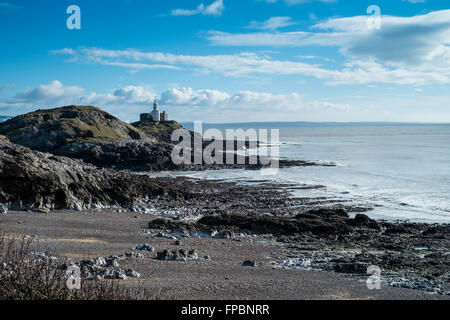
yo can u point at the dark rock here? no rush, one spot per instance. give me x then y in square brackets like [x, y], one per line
[326, 212]
[31, 180]
[356, 267]
[249, 263]
[441, 232]
[163, 255]
[362, 220]
[166, 224]
[278, 225]
[399, 228]
[112, 263]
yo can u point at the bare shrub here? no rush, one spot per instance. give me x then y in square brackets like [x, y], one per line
[24, 276]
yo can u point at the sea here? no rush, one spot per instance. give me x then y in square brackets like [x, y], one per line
[401, 171]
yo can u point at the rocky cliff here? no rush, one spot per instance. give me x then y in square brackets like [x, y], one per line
[41, 181]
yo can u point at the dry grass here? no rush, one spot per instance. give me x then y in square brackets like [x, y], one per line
[24, 276]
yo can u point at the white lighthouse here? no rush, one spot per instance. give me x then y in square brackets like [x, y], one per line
[155, 113]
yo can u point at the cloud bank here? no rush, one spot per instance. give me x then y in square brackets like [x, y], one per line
[128, 101]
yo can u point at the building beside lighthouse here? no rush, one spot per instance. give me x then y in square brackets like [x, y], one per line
[155, 115]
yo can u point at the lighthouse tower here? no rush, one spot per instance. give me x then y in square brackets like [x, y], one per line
[155, 113]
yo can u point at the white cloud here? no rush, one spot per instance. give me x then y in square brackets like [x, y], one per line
[128, 102]
[189, 97]
[67, 51]
[421, 38]
[245, 64]
[404, 40]
[135, 67]
[259, 39]
[127, 95]
[134, 94]
[56, 94]
[272, 23]
[406, 50]
[188, 104]
[214, 9]
[97, 56]
[413, 47]
[243, 100]
[52, 93]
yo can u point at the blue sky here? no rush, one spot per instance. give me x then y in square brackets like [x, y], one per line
[230, 60]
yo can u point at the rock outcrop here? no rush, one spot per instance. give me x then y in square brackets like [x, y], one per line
[41, 181]
[50, 130]
[90, 134]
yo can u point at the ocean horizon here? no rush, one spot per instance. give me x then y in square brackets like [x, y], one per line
[191, 123]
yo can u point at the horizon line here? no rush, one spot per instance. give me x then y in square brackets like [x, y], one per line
[322, 122]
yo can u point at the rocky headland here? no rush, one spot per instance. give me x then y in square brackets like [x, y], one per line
[73, 158]
[97, 137]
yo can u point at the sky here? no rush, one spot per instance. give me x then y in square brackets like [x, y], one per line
[230, 60]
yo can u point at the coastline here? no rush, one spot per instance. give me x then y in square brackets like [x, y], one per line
[301, 238]
[87, 208]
